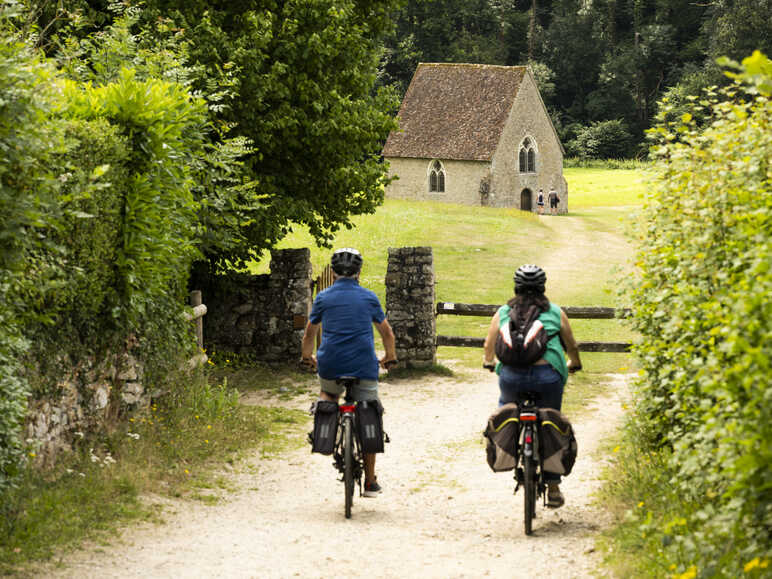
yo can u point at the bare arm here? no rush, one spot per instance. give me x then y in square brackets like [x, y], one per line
[572, 348]
[489, 349]
[389, 344]
[307, 347]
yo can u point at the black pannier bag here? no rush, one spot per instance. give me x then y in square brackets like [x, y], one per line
[369, 423]
[325, 427]
[502, 433]
[557, 441]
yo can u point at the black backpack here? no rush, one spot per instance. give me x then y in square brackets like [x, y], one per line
[523, 340]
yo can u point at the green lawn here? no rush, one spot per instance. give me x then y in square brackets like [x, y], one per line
[604, 187]
[476, 250]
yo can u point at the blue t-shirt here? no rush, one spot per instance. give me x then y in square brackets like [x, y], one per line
[347, 311]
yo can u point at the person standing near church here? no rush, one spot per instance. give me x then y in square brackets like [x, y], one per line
[554, 200]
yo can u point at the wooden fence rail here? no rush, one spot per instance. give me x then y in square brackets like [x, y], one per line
[486, 310]
[196, 315]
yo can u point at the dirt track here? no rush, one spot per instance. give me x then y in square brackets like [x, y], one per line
[443, 513]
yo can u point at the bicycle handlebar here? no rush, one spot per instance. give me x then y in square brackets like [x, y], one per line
[307, 364]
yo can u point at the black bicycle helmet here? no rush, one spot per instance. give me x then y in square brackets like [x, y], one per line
[346, 261]
[530, 278]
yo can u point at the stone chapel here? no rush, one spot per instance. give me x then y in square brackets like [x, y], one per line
[475, 134]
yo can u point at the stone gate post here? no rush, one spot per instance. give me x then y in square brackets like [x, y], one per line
[410, 304]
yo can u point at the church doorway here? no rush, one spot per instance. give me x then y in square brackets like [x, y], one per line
[525, 200]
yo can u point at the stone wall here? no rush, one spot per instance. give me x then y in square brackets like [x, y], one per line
[261, 315]
[410, 304]
[89, 398]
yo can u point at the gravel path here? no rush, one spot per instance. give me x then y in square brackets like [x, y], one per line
[443, 513]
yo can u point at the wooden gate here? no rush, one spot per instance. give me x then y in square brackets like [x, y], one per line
[485, 310]
[322, 282]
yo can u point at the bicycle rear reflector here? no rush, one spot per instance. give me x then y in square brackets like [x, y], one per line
[347, 408]
[527, 417]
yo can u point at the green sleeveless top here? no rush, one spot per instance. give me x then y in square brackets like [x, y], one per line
[551, 320]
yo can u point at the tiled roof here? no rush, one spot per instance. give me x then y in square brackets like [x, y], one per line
[454, 111]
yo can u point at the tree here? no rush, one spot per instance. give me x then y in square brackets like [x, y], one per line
[304, 74]
[574, 55]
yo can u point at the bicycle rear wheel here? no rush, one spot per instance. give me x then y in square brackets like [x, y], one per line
[529, 494]
[348, 464]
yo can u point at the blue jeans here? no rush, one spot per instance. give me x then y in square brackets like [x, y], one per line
[541, 378]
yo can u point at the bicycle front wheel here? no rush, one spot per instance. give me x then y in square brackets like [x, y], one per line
[529, 494]
[348, 464]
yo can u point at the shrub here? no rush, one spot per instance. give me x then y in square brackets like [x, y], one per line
[602, 140]
[28, 138]
[703, 311]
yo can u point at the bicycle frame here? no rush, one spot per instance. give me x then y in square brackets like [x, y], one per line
[346, 413]
[348, 450]
[528, 466]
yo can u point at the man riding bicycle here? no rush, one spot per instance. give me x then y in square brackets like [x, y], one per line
[347, 311]
[548, 375]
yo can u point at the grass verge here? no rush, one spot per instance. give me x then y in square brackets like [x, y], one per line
[172, 449]
[638, 493]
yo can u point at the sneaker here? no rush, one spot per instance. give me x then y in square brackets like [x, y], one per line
[555, 498]
[372, 489]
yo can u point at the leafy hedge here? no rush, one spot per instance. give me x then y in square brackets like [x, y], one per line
[28, 139]
[703, 309]
[99, 220]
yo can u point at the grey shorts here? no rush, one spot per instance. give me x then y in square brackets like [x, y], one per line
[365, 390]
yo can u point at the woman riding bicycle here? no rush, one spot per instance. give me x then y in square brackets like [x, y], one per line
[548, 375]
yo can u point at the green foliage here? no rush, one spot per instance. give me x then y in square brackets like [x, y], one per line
[306, 107]
[99, 217]
[28, 139]
[701, 306]
[602, 140]
[164, 127]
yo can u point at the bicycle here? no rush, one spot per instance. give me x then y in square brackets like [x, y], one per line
[528, 467]
[348, 450]
[528, 470]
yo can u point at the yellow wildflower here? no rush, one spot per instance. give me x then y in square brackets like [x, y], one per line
[690, 573]
[756, 563]
[616, 449]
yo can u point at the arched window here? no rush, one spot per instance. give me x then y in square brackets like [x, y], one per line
[527, 156]
[436, 177]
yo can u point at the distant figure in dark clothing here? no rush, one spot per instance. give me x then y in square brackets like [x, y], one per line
[554, 200]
